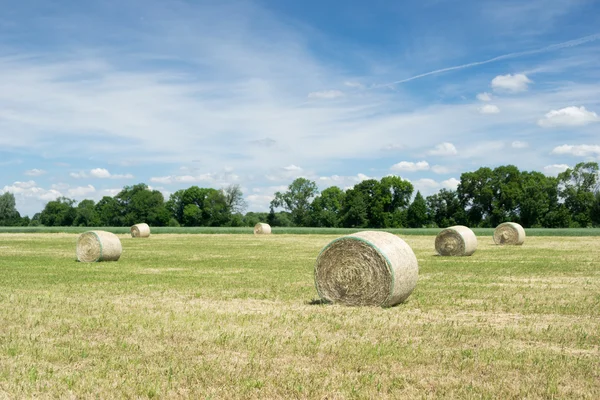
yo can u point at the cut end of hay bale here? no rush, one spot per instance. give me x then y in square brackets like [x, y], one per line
[366, 269]
[456, 240]
[94, 246]
[509, 233]
[140, 230]
[262, 229]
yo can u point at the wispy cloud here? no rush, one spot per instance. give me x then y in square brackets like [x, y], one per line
[582, 150]
[554, 47]
[35, 172]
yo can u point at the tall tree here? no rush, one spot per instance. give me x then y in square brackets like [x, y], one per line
[59, 212]
[86, 214]
[577, 187]
[416, 215]
[325, 208]
[297, 200]
[445, 209]
[9, 216]
[538, 200]
[234, 199]
[109, 212]
[140, 204]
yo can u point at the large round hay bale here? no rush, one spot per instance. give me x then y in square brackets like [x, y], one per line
[366, 269]
[140, 230]
[262, 229]
[456, 240]
[95, 246]
[509, 233]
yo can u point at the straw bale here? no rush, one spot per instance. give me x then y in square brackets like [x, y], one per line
[93, 246]
[509, 233]
[366, 269]
[262, 229]
[456, 240]
[140, 230]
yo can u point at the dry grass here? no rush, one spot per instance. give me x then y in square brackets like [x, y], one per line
[232, 316]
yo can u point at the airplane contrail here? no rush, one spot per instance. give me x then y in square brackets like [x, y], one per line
[558, 46]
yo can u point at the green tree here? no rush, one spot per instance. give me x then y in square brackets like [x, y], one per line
[445, 209]
[59, 212]
[326, 208]
[109, 212]
[354, 210]
[234, 199]
[538, 200]
[140, 204]
[297, 200]
[86, 214]
[9, 216]
[416, 215]
[196, 206]
[577, 187]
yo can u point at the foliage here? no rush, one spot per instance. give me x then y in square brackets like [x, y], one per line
[9, 216]
[416, 214]
[59, 212]
[297, 200]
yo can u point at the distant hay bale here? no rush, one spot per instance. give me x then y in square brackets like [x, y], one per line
[140, 230]
[262, 229]
[456, 240]
[509, 233]
[366, 269]
[93, 246]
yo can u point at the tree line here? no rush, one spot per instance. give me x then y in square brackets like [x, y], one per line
[483, 198]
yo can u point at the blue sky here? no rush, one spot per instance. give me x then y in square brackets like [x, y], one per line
[97, 95]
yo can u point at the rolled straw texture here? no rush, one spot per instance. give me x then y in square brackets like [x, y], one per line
[366, 269]
[93, 246]
[140, 230]
[456, 240]
[509, 233]
[262, 229]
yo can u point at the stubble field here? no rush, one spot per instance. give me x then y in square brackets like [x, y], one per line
[235, 317]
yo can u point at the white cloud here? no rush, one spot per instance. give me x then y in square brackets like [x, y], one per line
[81, 191]
[425, 183]
[555, 169]
[439, 169]
[35, 172]
[485, 96]
[489, 109]
[451, 183]
[519, 145]
[292, 167]
[582, 150]
[409, 166]
[326, 94]
[444, 149]
[568, 116]
[100, 173]
[511, 83]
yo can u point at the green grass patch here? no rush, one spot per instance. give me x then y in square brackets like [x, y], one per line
[233, 316]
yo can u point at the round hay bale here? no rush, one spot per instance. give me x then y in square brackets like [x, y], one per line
[366, 269]
[262, 229]
[456, 240]
[509, 233]
[140, 230]
[93, 246]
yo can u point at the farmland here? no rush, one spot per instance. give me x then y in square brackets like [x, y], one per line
[237, 316]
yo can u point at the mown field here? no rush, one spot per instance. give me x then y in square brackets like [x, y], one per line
[234, 316]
